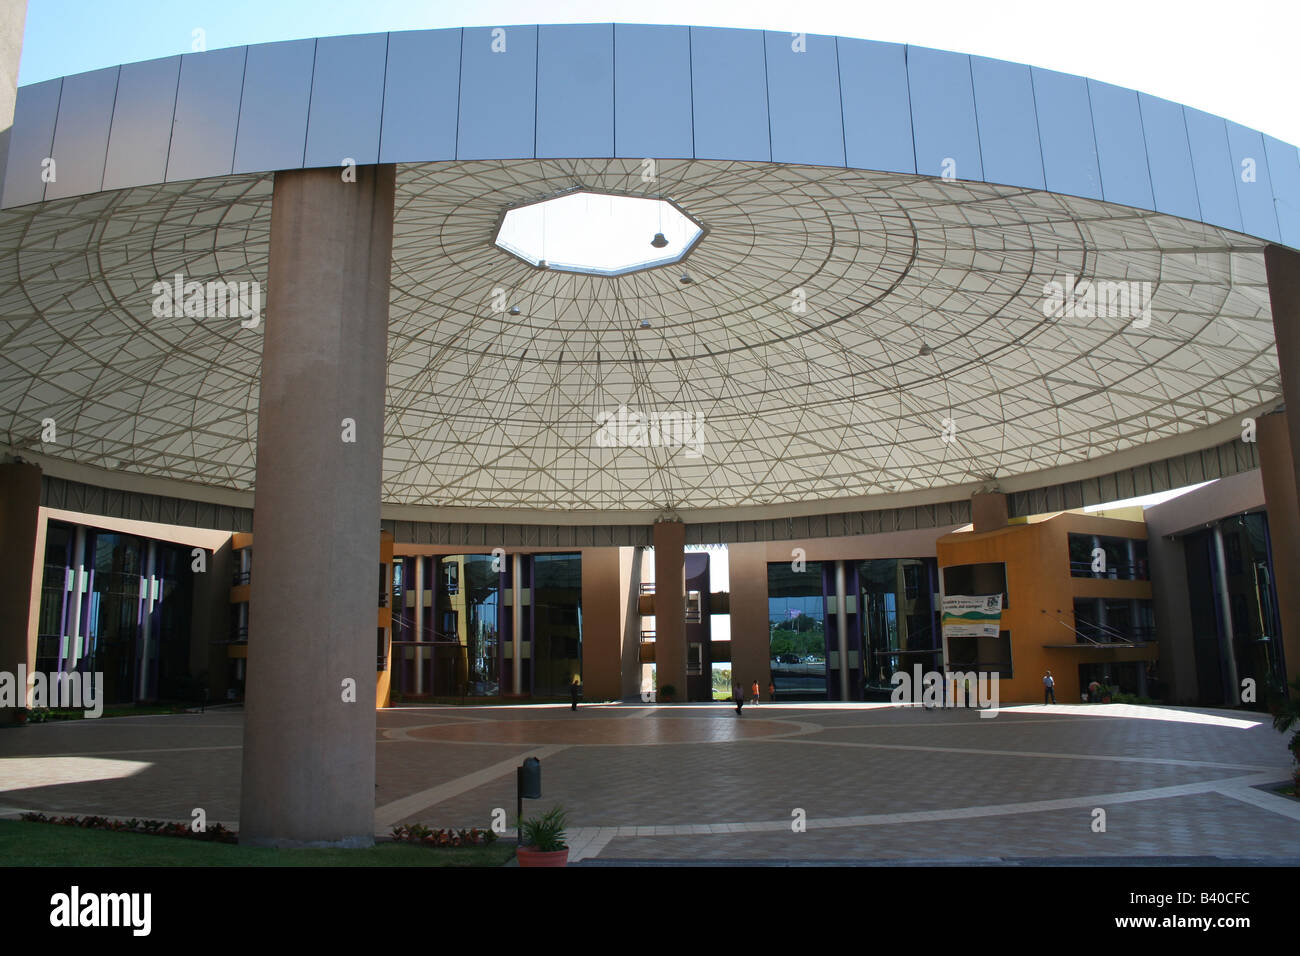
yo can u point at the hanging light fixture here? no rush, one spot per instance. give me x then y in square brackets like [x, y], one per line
[659, 241]
[924, 350]
[686, 278]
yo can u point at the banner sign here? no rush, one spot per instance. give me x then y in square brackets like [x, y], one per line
[966, 615]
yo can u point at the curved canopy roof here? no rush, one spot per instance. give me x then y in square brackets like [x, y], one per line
[921, 272]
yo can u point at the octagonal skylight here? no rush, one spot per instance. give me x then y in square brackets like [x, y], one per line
[598, 233]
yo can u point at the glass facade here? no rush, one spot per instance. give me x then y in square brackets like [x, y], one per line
[1236, 633]
[796, 613]
[897, 601]
[460, 647]
[118, 605]
[557, 623]
[1120, 559]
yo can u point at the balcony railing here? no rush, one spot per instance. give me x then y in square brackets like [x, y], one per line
[1121, 571]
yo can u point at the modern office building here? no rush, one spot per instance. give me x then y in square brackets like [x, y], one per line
[576, 292]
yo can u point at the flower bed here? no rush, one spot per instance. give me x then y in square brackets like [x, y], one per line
[215, 833]
[421, 835]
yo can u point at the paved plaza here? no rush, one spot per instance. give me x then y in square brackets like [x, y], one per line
[696, 783]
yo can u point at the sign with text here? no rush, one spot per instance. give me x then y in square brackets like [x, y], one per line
[966, 615]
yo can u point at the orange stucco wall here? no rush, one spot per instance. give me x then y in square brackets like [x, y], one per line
[1041, 596]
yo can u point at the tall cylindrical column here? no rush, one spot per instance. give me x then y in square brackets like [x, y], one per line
[1227, 642]
[309, 731]
[842, 628]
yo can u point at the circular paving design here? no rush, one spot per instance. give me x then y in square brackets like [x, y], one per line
[606, 731]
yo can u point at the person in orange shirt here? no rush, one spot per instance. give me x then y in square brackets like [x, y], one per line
[754, 698]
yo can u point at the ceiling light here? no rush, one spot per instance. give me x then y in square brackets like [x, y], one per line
[686, 278]
[925, 349]
[514, 310]
[659, 241]
[645, 323]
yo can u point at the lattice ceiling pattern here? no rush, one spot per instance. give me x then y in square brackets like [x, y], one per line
[922, 357]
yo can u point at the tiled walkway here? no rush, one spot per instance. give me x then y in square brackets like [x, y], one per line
[783, 782]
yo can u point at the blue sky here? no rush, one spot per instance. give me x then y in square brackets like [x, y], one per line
[1236, 60]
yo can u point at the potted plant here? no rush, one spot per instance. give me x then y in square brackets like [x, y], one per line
[20, 716]
[667, 693]
[543, 840]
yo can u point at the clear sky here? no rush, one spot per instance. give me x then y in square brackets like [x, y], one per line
[1239, 60]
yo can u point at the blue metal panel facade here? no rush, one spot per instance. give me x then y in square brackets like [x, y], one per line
[1254, 184]
[1008, 128]
[31, 141]
[1121, 145]
[1169, 156]
[81, 133]
[207, 114]
[498, 93]
[803, 95]
[730, 94]
[575, 90]
[347, 98]
[598, 90]
[142, 123]
[1065, 128]
[944, 127]
[652, 92]
[421, 96]
[273, 114]
[1284, 169]
[1215, 177]
[876, 105]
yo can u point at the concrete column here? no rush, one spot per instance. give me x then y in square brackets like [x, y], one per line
[20, 502]
[670, 605]
[1282, 266]
[309, 731]
[1278, 477]
[1227, 642]
[842, 628]
[988, 511]
[516, 624]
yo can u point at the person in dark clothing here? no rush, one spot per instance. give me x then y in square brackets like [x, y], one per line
[738, 695]
[574, 690]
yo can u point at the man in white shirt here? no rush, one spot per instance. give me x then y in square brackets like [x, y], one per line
[1049, 689]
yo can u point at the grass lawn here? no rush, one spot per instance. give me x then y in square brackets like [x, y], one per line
[45, 844]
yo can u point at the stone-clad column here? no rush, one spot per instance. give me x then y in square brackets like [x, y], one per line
[309, 735]
[670, 605]
[1282, 266]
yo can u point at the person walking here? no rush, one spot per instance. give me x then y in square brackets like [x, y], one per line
[754, 696]
[1049, 688]
[574, 690]
[771, 690]
[738, 695]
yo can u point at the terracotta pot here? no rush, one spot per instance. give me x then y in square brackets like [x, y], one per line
[527, 856]
[1106, 699]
